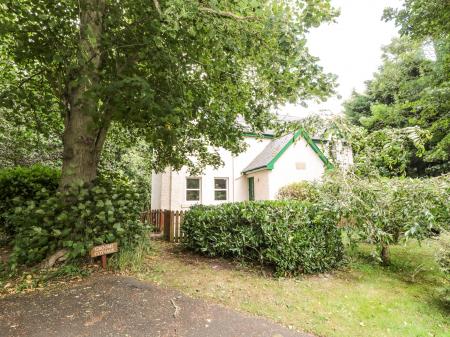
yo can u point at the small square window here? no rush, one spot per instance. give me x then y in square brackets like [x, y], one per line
[220, 195]
[192, 189]
[220, 189]
[193, 183]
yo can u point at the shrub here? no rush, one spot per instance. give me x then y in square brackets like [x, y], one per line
[76, 219]
[301, 191]
[385, 211]
[293, 237]
[443, 255]
[24, 183]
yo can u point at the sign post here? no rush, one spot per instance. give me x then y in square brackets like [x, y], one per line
[103, 250]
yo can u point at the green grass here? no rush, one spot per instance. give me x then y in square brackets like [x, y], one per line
[364, 299]
[132, 259]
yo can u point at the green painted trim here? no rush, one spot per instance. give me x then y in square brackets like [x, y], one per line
[258, 135]
[316, 149]
[309, 141]
[271, 164]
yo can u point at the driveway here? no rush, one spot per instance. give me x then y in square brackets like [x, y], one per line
[123, 306]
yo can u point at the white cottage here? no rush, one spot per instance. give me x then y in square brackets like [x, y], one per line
[268, 164]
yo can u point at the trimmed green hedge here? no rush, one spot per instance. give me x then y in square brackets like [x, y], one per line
[24, 183]
[293, 237]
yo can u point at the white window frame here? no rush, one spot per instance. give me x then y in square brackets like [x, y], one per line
[199, 189]
[221, 189]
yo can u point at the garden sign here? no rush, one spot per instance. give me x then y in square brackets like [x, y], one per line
[103, 250]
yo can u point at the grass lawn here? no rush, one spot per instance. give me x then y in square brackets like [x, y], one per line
[363, 299]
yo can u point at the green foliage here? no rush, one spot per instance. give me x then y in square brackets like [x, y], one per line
[181, 73]
[410, 90]
[386, 211]
[293, 237]
[388, 152]
[443, 255]
[76, 219]
[127, 155]
[421, 18]
[133, 258]
[26, 184]
[301, 191]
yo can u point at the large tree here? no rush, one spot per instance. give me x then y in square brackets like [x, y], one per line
[410, 89]
[186, 73]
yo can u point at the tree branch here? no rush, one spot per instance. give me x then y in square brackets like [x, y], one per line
[208, 10]
[158, 8]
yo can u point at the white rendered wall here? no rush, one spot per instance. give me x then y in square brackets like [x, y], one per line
[170, 187]
[156, 190]
[240, 163]
[298, 163]
[262, 184]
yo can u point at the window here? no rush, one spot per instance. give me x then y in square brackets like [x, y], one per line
[192, 189]
[220, 189]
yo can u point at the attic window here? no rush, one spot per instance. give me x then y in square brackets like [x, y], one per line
[192, 189]
[220, 189]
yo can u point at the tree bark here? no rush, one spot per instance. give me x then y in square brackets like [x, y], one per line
[385, 259]
[85, 125]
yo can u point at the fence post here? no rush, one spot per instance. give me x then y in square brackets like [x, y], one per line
[182, 213]
[172, 227]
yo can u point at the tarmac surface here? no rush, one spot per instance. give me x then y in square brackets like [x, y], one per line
[123, 306]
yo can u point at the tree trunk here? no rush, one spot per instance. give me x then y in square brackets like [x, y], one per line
[82, 149]
[85, 125]
[385, 259]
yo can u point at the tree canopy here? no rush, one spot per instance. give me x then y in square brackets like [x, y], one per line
[411, 89]
[181, 72]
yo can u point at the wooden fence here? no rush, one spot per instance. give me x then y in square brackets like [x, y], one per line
[166, 222]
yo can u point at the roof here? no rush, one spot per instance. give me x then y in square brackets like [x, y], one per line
[275, 149]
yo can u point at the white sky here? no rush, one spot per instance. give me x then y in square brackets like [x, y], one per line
[350, 48]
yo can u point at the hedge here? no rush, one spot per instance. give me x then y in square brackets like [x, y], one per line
[290, 236]
[24, 183]
[39, 220]
[76, 220]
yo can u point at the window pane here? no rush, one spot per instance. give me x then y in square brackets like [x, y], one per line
[193, 183]
[193, 195]
[220, 195]
[220, 184]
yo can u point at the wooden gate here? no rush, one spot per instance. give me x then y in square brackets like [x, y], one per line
[165, 221]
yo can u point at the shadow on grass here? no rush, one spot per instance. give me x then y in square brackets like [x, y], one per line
[412, 265]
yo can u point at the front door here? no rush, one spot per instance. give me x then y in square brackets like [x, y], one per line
[251, 188]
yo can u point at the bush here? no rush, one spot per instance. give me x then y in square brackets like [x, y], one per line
[76, 220]
[293, 237]
[385, 211]
[25, 183]
[301, 191]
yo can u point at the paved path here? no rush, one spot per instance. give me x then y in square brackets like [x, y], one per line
[124, 306]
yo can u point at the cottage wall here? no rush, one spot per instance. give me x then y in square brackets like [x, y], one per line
[298, 163]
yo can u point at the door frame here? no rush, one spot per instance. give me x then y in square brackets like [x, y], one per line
[251, 188]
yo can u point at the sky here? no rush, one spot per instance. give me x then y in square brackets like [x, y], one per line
[350, 48]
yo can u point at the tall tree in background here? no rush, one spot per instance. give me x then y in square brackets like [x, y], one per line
[412, 87]
[181, 71]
